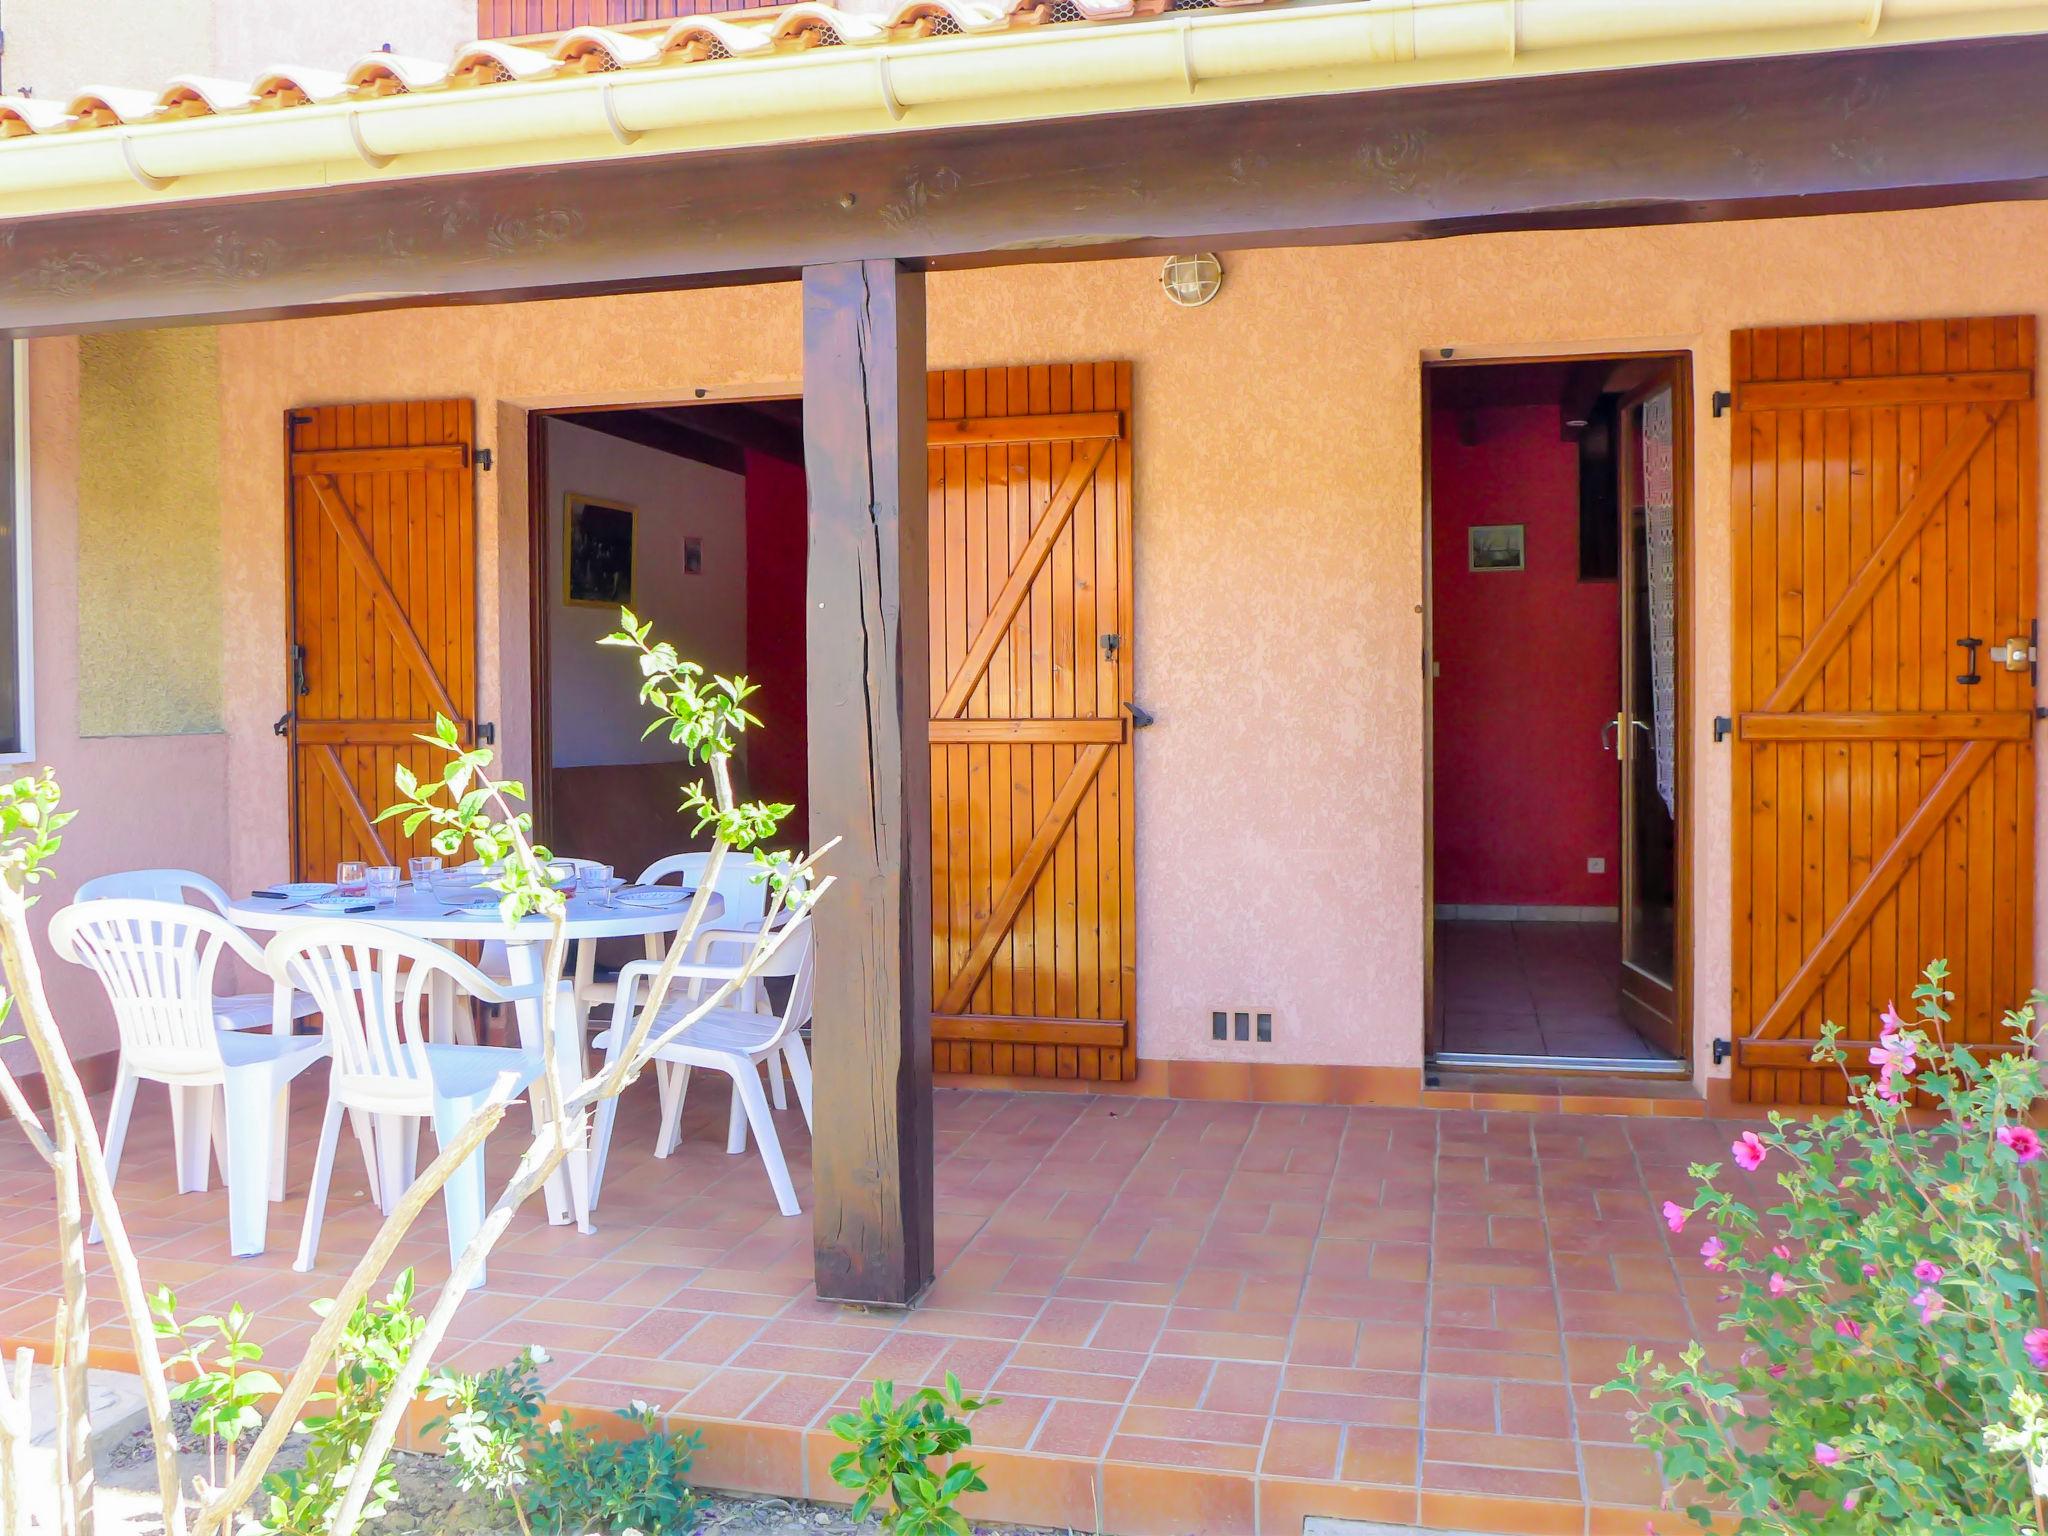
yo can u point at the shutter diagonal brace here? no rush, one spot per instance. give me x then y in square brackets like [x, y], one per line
[1934, 486]
[960, 990]
[1885, 873]
[1017, 585]
[383, 599]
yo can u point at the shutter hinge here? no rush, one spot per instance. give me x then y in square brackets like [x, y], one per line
[1723, 728]
[299, 418]
[487, 733]
[1723, 401]
[1723, 1049]
[479, 457]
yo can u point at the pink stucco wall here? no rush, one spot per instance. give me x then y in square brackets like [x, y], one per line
[155, 800]
[1278, 545]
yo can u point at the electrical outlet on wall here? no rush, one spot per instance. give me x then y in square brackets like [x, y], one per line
[1596, 866]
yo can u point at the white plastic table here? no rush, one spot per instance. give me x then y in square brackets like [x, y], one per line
[426, 916]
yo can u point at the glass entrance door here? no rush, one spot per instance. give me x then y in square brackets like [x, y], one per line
[1647, 725]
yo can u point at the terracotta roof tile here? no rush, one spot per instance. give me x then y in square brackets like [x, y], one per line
[690, 41]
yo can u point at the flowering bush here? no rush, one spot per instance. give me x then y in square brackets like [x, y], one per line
[1890, 1307]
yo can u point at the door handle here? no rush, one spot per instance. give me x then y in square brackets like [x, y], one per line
[1613, 738]
[1970, 676]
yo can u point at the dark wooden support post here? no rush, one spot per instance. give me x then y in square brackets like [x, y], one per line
[864, 436]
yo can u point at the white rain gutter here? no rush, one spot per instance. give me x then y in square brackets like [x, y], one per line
[1038, 72]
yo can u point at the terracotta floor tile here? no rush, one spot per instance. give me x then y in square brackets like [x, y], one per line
[1179, 1302]
[1209, 1454]
[1076, 1429]
[1301, 1450]
[1193, 1424]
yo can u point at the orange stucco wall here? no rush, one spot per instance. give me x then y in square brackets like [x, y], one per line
[1279, 540]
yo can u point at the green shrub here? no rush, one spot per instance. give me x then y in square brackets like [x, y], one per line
[893, 1448]
[552, 1475]
[1889, 1304]
[225, 1396]
[374, 1345]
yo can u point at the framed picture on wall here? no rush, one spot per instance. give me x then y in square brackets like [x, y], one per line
[1494, 547]
[597, 553]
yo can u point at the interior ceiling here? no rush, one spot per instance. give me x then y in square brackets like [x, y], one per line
[1495, 386]
[718, 433]
[1572, 387]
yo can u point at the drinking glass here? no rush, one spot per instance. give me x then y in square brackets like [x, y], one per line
[423, 869]
[599, 885]
[562, 876]
[383, 884]
[351, 877]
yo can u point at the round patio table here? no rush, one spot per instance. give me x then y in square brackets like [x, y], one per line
[426, 916]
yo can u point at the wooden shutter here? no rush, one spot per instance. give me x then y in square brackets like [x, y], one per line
[1884, 489]
[383, 549]
[1033, 943]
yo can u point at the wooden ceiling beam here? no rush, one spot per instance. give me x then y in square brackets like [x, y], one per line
[742, 425]
[653, 429]
[1881, 128]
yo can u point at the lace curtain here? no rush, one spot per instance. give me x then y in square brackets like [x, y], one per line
[1662, 577]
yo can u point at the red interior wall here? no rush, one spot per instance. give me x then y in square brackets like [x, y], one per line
[1529, 665]
[778, 752]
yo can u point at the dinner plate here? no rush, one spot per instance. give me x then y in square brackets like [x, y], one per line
[303, 890]
[341, 904]
[478, 909]
[652, 896]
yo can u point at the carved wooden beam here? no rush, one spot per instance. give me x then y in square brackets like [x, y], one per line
[868, 686]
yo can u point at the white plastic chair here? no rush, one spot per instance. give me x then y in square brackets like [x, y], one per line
[156, 960]
[745, 901]
[243, 1010]
[372, 986]
[735, 1041]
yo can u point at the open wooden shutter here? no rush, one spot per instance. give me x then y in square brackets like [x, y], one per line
[1884, 490]
[1034, 941]
[383, 614]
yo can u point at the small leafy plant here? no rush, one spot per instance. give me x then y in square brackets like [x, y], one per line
[894, 1445]
[225, 1391]
[554, 1476]
[376, 1342]
[1890, 1305]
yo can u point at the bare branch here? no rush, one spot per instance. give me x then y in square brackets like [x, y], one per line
[73, 1115]
[299, 1388]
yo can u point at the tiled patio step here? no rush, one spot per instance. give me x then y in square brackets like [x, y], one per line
[1103, 1495]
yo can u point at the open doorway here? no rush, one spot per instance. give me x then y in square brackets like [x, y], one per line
[1558, 545]
[694, 517]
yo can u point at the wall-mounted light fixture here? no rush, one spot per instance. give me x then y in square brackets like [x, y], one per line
[1191, 281]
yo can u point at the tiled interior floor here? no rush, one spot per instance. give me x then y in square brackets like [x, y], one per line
[1201, 1317]
[1534, 989]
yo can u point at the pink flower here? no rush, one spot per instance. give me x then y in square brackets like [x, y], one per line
[1674, 1215]
[1748, 1152]
[1825, 1455]
[1849, 1328]
[2037, 1347]
[1711, 1251]
[1849, 1499]
[1930, 1304]
[1890, 1018]
[1870, 1271]
[1782, 1252]
[1893, 1056]
[1927, 1272]
[1779, 1285]
[1778, 1372]
[2025, 1144]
